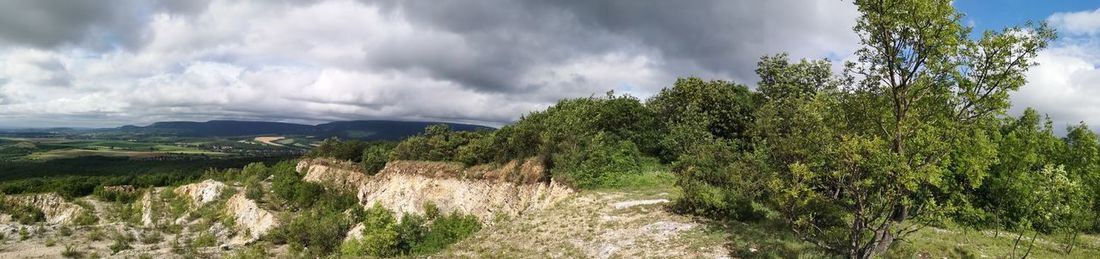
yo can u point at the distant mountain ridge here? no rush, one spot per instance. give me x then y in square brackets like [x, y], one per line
[361, 129]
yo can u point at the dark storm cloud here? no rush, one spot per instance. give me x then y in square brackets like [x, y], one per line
[474, 61]
[96, 24]
[704, 38]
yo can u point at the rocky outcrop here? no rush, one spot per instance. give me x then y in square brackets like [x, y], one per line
[55, 208]
[407, 193]
[486, 192]
[342, 175]
[203, 192]
[147, 209]
[250, 217]
[529, 171]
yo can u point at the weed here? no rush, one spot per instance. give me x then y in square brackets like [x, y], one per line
[71, 252]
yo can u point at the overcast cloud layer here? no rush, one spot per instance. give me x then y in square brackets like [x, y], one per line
[80, 63]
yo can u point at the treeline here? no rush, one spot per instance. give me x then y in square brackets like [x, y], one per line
[589, 142]
[76, 177]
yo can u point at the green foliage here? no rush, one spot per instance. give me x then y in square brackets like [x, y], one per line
[71, 252]
[24, 214]
[444, 231]
[78, 177]
[115, 195]
[602, 163]
[375, 157]
[616, 129]
[319, 230]
[717, 182]
[695, 111]
[414, 235]
[289, 187]
[380, 236]
[321, 222]
[854, 162]
[343, 150]
[205, 239]
[437, 143]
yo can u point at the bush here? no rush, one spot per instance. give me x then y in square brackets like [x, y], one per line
[290, 188]
[716, 182]
[22, 213]
[380, 236]
[375, 157]
[342, 150]
[445, 231]
[320, 230]
[414, 235]
[600, 164]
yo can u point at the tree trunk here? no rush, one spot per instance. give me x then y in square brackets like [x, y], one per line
[1029, 246]
[1017, 243]
[1073, 242]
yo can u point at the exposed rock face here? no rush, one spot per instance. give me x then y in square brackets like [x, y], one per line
[483, 191]
[343, 175]
[203, 192]
[147, 209]
[56, 209]
[407, 193]
[249, 216]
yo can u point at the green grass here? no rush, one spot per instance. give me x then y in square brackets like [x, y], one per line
[771, 239]
[959, 243]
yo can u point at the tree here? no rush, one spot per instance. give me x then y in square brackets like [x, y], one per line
[918, 86]
[375, 157]
[695, 111]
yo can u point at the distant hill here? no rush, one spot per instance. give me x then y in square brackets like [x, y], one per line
[366, 129]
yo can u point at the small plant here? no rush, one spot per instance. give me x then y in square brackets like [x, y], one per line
[249, 252]
[119, 245]
[24, 234]
[71, 252]
[95, 234]
[204, 240]
[151, 237]
[65, 231]
[50, 242]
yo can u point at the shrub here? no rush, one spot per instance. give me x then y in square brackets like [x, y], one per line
[342, 150]
[24, 214]
[71, 252]
[445, 231]
[716, 181]
[254, 190]
[205, 239]
[410, 232]
[600, 164]
[380, 236]
[375, 157]
[118, 246]
[320, 230]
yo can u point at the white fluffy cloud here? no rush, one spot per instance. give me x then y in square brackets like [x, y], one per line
[1066, 83]
[312, 61]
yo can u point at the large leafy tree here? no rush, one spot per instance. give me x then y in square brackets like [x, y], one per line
[889, 136]
[697, 111]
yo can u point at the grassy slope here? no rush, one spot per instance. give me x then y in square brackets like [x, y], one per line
[588, 225]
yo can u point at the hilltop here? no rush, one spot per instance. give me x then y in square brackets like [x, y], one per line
[361, 129]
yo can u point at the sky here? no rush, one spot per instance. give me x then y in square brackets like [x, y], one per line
[88, 64]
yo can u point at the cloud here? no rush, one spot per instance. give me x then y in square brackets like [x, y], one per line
[1084, 22]
[1067, 80]
[482, 61]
